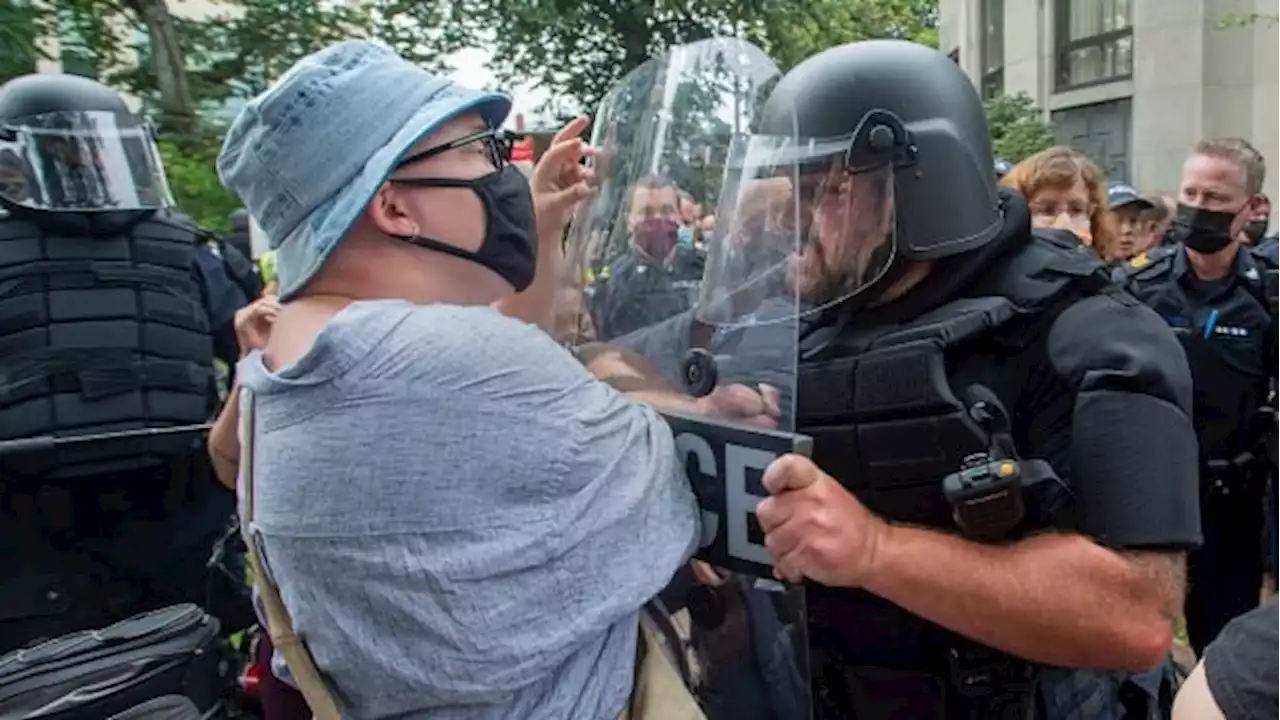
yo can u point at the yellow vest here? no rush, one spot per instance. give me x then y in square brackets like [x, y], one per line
[267, 267]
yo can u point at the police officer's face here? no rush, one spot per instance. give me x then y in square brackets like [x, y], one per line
[1063, 208]
[650, 205]
[848, 218]
[1216, 183]
[1129, 223]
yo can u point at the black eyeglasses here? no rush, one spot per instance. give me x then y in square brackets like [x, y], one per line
[497, 144]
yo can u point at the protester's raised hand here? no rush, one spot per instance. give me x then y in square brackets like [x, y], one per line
[560, 179]
[254, 321]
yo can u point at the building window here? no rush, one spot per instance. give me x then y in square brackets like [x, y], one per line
[1094, 42]
[992, 48]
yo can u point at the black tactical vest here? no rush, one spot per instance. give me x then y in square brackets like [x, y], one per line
[889, 408]
[891, 412]
[100, 334]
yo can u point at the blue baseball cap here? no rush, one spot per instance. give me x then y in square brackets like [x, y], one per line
[306, 156]
[1120, 194]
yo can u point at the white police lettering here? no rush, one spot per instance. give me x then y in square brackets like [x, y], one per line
[689, 444]
[739, 503]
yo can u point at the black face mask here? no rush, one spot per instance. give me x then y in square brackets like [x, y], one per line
[1256, 230]
[510, 246]
[1205, 231]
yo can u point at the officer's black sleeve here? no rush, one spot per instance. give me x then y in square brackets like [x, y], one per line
[243, 271]
[1240, 665]
[1133, 456]
[222, 297]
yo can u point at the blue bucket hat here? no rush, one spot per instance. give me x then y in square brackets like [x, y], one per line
[306, 156]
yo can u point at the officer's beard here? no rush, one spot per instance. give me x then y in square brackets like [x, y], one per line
[821, 277]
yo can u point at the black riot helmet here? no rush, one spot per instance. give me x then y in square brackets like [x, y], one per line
[239, 219]
[238, 238]
[1003, 167]
[903, 120]
[79, 149]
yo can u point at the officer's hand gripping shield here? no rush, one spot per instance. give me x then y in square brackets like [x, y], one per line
[706, 312]
[81, 161]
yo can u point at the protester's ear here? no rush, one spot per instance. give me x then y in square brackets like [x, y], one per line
[389, 212]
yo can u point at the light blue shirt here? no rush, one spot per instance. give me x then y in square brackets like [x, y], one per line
[463, 522]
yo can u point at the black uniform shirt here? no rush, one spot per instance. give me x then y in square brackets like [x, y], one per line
[1228, 335]
[634, 291]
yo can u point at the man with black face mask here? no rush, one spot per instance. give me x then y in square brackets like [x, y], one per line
[657, 276]
[1214, 294]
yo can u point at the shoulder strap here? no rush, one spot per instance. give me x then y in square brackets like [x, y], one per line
[1150, 264]
[279, 625]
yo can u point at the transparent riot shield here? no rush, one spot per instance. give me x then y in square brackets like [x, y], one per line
[681, 262]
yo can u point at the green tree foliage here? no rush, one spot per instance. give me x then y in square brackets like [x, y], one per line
[194, 182]
[703, 97]
[577, 49]
[795, 31]
[1246, 20]
[20, 25]
[1018, 129]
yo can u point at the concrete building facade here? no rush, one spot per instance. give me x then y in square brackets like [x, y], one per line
[1133, 83]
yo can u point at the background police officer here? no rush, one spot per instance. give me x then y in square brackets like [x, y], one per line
[1136, 229]
[103, 329]
[1212, 292]
[657, 276]
[949, 342]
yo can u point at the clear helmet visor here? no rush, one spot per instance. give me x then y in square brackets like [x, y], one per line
[799, 223]
[81, 161]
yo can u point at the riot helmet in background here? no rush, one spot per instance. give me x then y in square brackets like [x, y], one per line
[895, 163]
[1003, 167]
[77, 148]
[238, 238]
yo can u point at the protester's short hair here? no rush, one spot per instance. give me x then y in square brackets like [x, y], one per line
[1242, 153]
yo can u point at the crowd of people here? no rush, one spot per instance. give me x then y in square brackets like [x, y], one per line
[459, 494]
[1067, 191]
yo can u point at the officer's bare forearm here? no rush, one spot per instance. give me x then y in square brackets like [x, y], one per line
[223, 442]
[1058, 599]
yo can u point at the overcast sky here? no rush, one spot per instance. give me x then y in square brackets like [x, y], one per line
[470, 71]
